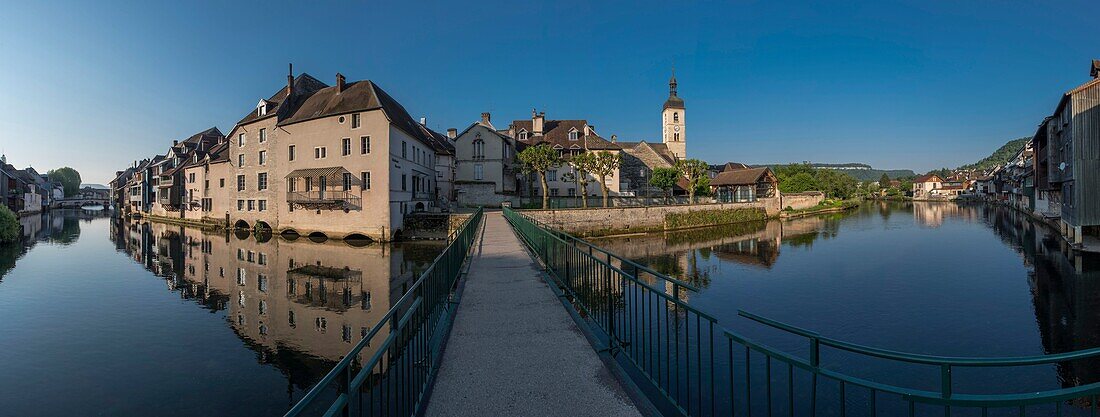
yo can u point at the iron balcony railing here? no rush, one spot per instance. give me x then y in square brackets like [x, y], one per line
[388, 371]
[324, 197]
[688, 364]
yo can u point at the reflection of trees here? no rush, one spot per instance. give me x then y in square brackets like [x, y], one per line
[9, 253]
[68, 233]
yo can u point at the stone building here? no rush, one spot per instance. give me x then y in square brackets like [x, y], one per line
[486, 168]
[641, 158]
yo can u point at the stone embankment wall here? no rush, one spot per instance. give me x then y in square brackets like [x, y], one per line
[623, 220]
[799, 201]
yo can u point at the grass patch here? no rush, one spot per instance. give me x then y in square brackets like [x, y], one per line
[826, 204]
[699, 218]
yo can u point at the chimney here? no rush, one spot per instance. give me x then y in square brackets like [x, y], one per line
[485, 118]
[452, 133]
[588, 130]
[175, 142]
[340, 82]
[537, 120]
[1095, 71]
[423, 121]
[290, 80]
[614, 138]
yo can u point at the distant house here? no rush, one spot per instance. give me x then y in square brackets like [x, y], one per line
[486, 166]
[925, 184]
[740, 184]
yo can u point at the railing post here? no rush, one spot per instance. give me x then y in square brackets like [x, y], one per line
[815, 352]
[612, 341]
[945, 380]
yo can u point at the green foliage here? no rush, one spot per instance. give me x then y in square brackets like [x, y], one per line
[9, 226]
[68, 178]
[695, 172]
[604, 164]
[1001, 156]
[698, 218]
[665, 179]
[884, 181]
[582, 164]
[799, 178]
[537, 160]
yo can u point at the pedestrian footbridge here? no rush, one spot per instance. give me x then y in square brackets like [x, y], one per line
[515, 318]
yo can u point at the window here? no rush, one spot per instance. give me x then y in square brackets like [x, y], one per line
[552, 175]
[573, 134]
[261, 181]
[251, 205]
[404, 151]
[191, 177]
[364, 145]
[479, 173]
[572, 192]
[241, 276]
[554, 192]
[675, 117]
[403, 179]
[523, 135]
[309, 184]
[290, 184]
[240, 160]
[240, 205]
[240, 183]
[320, 152]
[240, 139]
[263, 157]
[355, 121]
[221, 182]
[365, 177]
[263, 135]
[290, 152]
[345, 146]
[263, 205]
[347, 181]
[675, 137]
[479, 149]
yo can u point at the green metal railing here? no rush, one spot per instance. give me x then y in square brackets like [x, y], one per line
[688, 364]
[404, 346]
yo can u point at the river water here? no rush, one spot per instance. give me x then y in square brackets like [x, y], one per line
[104, 317]
[931, 278]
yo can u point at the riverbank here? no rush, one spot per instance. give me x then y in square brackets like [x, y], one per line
[825, 207]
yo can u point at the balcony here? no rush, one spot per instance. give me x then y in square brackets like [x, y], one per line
[325, 199]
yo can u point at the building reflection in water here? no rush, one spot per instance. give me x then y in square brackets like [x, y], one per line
[299, 304]
[1065, 288]
[59, 227]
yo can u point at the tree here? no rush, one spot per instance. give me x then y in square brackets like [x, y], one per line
[798, 183]
[884, 181]
[582, 164]
[9, 226]
[68, 178]
[665, 179]
[695, 172]
[537, 160]
[604, 164]
[835, 184]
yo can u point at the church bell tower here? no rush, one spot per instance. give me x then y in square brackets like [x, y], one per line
[672, 120]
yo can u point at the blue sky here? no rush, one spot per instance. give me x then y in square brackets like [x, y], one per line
[919, 85]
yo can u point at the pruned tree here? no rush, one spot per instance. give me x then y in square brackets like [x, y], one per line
[582, 164]
[537, 160]
[694, 172]
[604, 165]
[665, 179]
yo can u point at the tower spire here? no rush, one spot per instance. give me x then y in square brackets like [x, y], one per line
[672, 83]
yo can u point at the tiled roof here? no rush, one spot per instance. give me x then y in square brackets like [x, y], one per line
[556, 133]
[927, 178]
[747, 176]
[304, 86]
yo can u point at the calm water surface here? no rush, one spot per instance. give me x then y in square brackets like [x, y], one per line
[102, 317]
[933, 278]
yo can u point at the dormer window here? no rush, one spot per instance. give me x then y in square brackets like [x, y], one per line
[573, 134]
[523, 134]
[261, 108]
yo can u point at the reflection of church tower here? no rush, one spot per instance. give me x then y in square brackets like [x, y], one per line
[672, 116]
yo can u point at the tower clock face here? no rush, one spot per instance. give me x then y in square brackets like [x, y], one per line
[676, 128]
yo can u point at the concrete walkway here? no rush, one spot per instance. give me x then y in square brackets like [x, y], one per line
[514, 350]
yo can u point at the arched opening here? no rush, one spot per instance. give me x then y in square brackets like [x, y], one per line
[241, 224]
[242, 234]
[290, 235]
[318, 237]
[357, 240]
[420, 206]
[263, 226]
